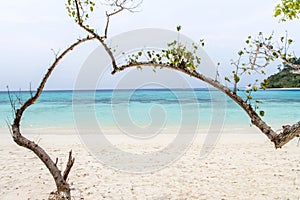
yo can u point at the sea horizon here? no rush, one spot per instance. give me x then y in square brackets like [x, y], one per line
[148, 107]
[133, 89]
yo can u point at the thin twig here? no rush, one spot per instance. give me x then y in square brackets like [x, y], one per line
[12, 103]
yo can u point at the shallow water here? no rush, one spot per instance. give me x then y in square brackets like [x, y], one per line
[144, 109]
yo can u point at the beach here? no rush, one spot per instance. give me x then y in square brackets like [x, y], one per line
[240, 166]
[152, 144]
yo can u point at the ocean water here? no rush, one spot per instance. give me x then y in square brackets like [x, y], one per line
[148, 108]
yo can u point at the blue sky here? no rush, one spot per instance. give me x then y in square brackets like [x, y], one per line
[30, 29]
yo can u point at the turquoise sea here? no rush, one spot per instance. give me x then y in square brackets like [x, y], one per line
[149, 107]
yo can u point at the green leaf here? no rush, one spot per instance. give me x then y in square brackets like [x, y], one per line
[202, 42]
[236, 78]
[259, 102]
[262, 113]
[227, 79]
[178, 28]
[255, 88]
[277, 12]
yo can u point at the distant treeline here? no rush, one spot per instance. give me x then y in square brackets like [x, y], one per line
[285, 78]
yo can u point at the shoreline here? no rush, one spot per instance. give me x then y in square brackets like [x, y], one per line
[226, 129]
[288, 89]
[145, 89]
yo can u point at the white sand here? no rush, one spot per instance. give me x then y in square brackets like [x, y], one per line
[241, 166]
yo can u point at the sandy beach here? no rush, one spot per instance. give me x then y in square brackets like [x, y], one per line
[241, 166]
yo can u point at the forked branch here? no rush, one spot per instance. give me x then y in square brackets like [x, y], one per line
[117, 5]
[63, 189]
[70, 163]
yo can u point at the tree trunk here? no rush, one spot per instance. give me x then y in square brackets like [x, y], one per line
[62, 187]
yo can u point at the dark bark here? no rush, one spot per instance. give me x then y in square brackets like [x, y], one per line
[63, 189]
[288, 133]
[94, 34]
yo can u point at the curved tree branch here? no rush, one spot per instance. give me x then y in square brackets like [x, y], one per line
[60, 180]
[33, 99]
[120, 5]
[278, 139]
[93, 33]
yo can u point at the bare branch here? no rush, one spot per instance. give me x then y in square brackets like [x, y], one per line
[70, 163]
[30, 90]
[33, 99]
[255, 57]
[12, 103]
[55, 53]
[9, 127]
[120, 7]
[61, 184]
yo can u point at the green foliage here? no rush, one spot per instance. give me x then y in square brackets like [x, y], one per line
[177, 55]
[262, 113]
[255, 88]
[202, 42]
[287, 10]
[264, 84]
[256, 107]
[80, 10]
[227, 79]
[262, 50]
[285, 79]
[236, 78]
